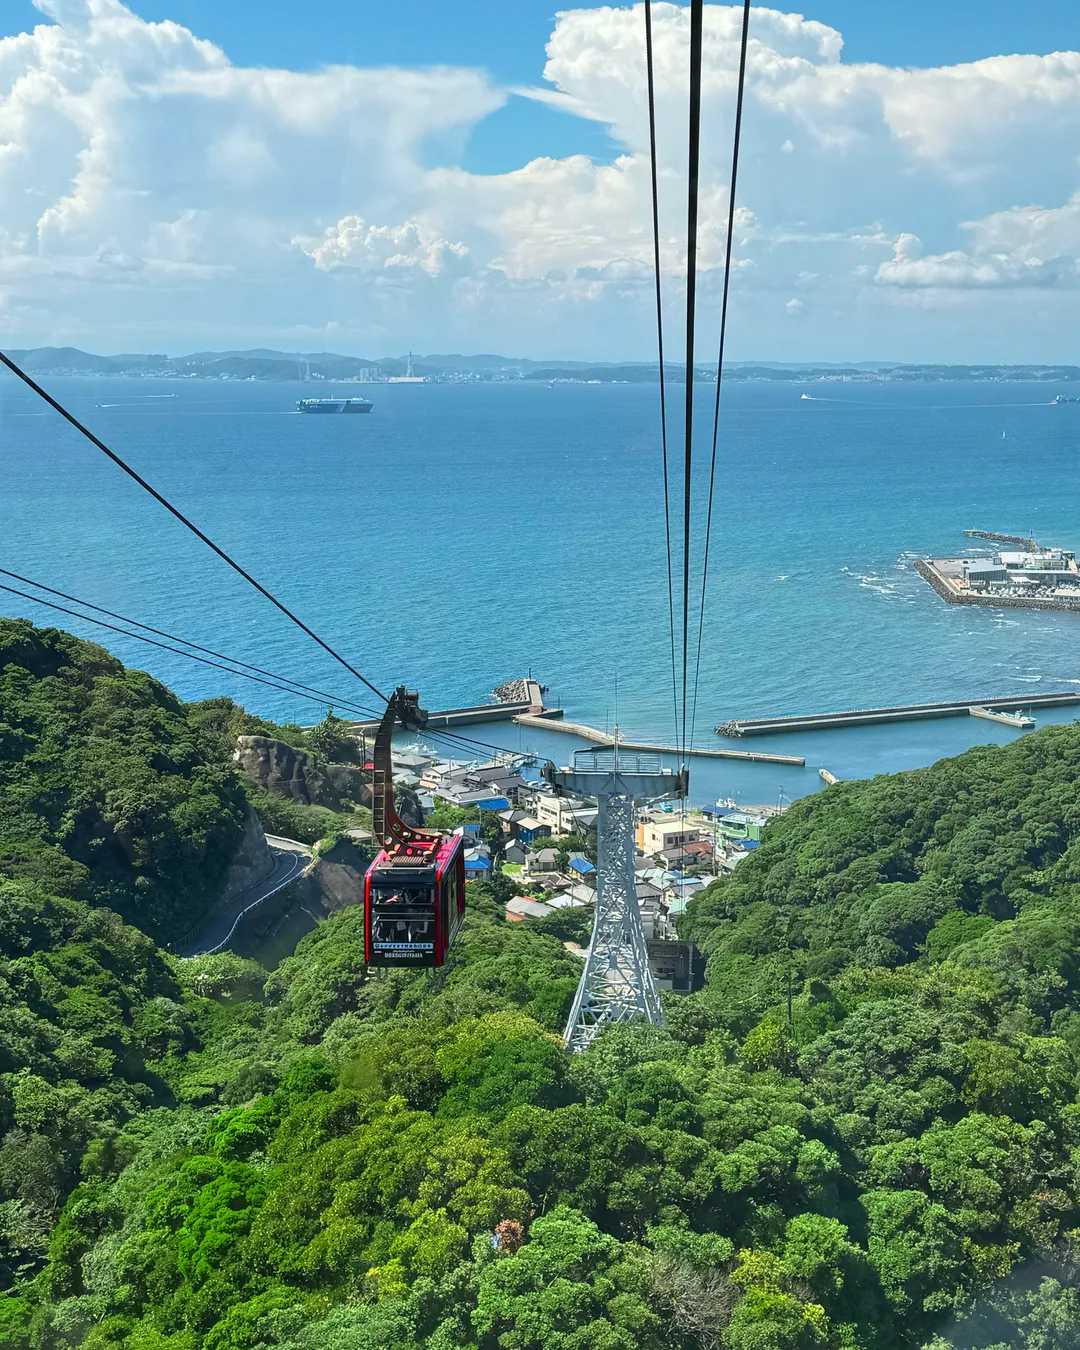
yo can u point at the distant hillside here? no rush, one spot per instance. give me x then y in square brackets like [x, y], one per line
[262, 363]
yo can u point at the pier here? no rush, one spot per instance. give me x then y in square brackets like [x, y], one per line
[911, 712]
[603, 738]
[1015, 720]
[512, 698]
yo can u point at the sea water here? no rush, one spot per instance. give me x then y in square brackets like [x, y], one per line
[462, 534]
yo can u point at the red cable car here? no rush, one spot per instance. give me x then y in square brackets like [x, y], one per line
[414, 891]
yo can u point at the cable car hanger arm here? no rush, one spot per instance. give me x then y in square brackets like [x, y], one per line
[390, 830]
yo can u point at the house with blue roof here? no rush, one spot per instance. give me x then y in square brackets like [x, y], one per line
[477, 863]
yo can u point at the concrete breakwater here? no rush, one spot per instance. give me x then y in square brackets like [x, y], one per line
[911, 712]
[603, 738]
[1020, 540]
[952, 596]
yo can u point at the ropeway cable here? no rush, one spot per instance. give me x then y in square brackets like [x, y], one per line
[332, 699]
[651, 82]
[177, 651]
[273, 680]
[692, 174]
[736, 141]
[164, 501]
[69, 417]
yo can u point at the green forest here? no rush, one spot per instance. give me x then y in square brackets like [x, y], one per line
[862, 1134]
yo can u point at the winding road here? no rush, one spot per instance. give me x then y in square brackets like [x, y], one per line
[216, 931]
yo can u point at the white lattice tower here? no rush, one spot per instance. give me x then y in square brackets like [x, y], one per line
[616, 985]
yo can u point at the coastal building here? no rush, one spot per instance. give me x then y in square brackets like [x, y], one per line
[674, 965]
[477, 863]
[657, 833]
[1011, 572]
[410, 761]
[580, 866]
[523, 827]
[525, 907]
[560, 814]
[679, 893]
[437, 773]
[740, 825]
[653, 918]
[542, 860]
[655, 876]
[578, 894]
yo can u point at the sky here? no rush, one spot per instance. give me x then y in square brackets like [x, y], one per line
[183, 174]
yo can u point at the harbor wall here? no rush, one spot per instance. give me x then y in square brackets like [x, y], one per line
[930, 574]
[908, 712]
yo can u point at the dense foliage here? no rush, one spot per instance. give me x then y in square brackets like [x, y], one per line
[110, 792]
[864, 1134]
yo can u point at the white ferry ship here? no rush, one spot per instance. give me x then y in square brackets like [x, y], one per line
[334, 405]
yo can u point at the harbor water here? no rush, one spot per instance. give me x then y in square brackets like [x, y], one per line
[462, 534]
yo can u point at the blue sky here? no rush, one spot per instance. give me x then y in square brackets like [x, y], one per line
[507, 38]
[161, 193]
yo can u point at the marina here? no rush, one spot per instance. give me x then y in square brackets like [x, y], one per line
[1028, 576]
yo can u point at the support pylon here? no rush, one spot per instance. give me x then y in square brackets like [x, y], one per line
[616, 985]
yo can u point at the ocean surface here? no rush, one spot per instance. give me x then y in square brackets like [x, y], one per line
[460, 535]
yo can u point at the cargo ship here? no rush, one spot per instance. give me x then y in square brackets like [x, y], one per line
[334, 405]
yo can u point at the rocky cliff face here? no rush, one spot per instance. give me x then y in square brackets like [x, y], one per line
[295, 774]
[337, 878]
[253, 860]
[407, 805]
[331, 882]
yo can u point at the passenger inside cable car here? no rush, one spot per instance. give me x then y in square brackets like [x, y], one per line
[403, 916]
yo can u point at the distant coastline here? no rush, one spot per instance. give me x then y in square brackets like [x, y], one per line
[267, 365]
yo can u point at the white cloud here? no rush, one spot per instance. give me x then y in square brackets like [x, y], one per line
[1022, 247]
[354, 243]
[146, 183]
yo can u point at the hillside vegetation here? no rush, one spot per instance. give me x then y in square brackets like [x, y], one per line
[109, 790]
[863, 1134]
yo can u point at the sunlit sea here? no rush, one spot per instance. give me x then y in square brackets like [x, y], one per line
[460, 535]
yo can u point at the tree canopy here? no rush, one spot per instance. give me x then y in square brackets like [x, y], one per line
[863, 1134]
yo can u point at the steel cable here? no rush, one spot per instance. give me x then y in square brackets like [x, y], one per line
[333, 699]
[164, 501]
[451, 740]
[177, 651]
[736, 142]
[651, 82]
[697, 8]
